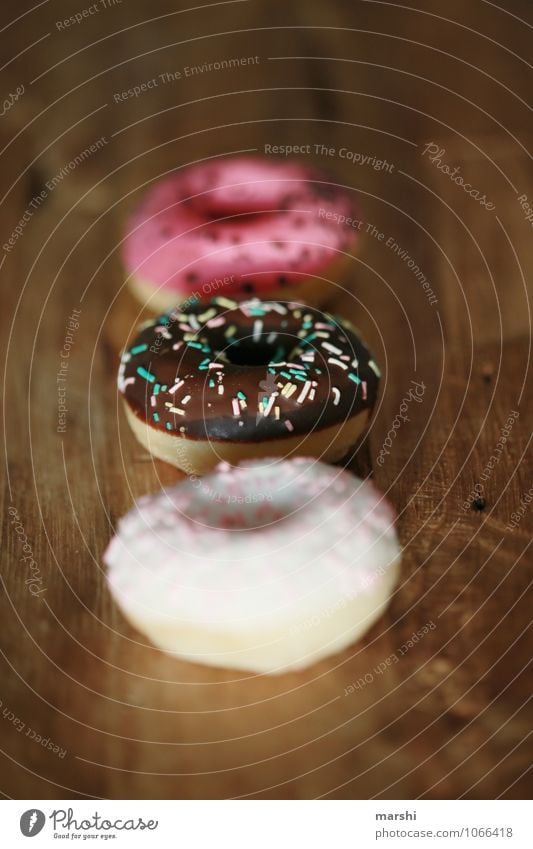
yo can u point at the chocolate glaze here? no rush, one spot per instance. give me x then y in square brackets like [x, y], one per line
[211, 372]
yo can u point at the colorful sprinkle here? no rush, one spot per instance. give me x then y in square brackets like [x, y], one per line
[146, 374]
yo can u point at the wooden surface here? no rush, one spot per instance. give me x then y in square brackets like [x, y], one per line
[451, 717]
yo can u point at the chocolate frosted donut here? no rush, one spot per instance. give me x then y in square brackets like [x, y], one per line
[247, 225]
[231, 381]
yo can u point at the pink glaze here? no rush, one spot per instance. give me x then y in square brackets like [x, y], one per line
[262, 223]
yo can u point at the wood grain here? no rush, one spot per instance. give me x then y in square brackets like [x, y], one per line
[451, 718]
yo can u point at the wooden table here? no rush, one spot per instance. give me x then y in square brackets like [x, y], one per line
[88, 708]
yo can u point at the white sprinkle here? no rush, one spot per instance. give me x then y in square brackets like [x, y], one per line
[220, 389]
[176, 387]
[177, 345]
[305, 391]
[335, 362]
[331, 348]
[258, 326]
[186, 399]
[374, 368]
[277, 412]
[270, 404]
[336, 395]
[153, 400]
[193, 322]
[271, 337]
[215, 365]
[355, 363]
[176, 410]
[312, 395]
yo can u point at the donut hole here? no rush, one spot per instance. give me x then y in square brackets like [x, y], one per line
[262, 350]
[246, 352]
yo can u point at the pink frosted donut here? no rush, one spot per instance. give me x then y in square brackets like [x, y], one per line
[241, 227]
[267, 566]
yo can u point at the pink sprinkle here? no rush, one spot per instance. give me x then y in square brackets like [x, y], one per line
[128, 381]
[216, 322]
[236, 408]
[153, 401]
[289, 425]
[176, 386]
[177, 345]
[363, 384]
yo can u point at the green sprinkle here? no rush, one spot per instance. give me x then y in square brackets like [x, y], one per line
[157, 387]
[211, 382]
[195, 345]
[164, 387]
[138, 349]
[168, 426]
[241, 395]
[354, 377]
[146, 374]
[156, 417]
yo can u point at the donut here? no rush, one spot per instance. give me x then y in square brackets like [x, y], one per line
[230, 381]
[267, 567]
[241, 227]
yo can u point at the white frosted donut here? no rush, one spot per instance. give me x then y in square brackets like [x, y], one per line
[268, 566]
